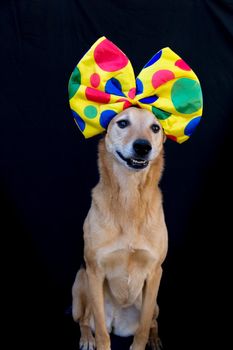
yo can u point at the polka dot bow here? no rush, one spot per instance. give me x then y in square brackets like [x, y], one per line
[103, 84]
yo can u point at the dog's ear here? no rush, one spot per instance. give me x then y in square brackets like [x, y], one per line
[164, 137]
[103, 134]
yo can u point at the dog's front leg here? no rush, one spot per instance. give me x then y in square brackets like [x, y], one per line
[148, 305]
[95, 281]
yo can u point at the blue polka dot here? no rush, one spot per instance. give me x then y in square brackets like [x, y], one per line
[154, 59]
[113, 86]
[139, 86]
[191, 126]
[106, 117]
[149, 99]
[81, 124]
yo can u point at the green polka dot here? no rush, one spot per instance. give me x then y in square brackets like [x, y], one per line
[74, 83]
[160, 114]
[186, 96]
[90, 112]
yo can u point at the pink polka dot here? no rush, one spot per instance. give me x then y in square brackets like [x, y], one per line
[97, 96]
[161, 77]
[182, 65]
[127, 104]
[109, 57]
[132, 93]
[95, 80]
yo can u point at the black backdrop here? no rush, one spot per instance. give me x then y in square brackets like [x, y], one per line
[47, 168]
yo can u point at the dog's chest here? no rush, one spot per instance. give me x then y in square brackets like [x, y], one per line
[126, 267]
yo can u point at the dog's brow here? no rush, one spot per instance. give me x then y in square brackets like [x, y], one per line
[123, 117]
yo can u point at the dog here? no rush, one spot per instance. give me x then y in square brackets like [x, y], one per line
[125, 237]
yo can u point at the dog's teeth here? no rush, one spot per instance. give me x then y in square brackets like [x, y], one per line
[138, 161]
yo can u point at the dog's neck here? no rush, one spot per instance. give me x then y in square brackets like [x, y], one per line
[131, 191]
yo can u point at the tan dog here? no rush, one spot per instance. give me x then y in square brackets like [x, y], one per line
[125, 237]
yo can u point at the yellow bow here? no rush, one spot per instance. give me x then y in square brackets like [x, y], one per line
[103, 84]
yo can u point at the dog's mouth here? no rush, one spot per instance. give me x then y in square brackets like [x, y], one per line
[135, 163]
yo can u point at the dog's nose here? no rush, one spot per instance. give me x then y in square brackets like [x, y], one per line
[142, 147]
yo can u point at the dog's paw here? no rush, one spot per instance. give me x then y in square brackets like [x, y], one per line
[87, 343]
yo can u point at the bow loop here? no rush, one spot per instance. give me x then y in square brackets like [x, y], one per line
[103, 84]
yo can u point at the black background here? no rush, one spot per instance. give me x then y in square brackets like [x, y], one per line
[47, 169]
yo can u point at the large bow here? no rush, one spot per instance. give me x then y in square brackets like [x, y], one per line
[103, 84]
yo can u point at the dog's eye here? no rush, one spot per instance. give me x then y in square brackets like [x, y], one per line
[155, 128]
[123, 123]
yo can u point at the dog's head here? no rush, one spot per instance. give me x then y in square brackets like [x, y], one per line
[135, 138]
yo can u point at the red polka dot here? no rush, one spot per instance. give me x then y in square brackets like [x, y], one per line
[126, 104]
[161, 77]
[182, 65]
[172, 137]
[95, 80]
[97, 96]
[108, 57]
[132, 93]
